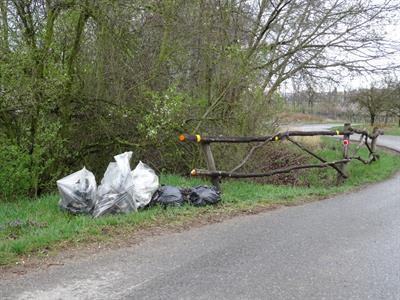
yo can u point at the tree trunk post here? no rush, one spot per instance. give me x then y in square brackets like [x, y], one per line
[206, 147]
[372, 119]
[345, 152]
[374, 139]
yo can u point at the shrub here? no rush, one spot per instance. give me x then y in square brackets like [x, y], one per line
[15, 179]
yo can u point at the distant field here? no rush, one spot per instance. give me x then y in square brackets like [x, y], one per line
[302, 118]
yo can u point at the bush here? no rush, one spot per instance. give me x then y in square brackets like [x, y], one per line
[15, 179]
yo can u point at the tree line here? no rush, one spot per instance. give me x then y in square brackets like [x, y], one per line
[377, 104]
[81, 81]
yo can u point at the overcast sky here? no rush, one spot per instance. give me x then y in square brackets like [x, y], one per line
[392, 33]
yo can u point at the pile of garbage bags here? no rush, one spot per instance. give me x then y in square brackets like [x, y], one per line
[197, 196]
[123, 191]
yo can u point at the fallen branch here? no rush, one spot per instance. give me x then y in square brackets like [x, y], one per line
[365, 132]
[368, 147]
[365, 161]
[201, 172]
[360, 142]
[316, 156]
[249, 139]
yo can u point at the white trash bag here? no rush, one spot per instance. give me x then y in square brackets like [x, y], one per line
[145, 184]
[116, 191]
[78, 192]
[121, 190]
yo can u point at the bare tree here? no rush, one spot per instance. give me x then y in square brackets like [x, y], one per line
[373, 100]
[393, 98]
[311, 36]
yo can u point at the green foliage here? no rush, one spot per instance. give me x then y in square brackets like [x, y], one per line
[164, 114]
[15, 179]
[81, 81]
[49, 151]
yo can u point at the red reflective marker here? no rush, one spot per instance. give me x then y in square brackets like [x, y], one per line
[345, 142]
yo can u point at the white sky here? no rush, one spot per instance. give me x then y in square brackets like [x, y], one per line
[392, 33]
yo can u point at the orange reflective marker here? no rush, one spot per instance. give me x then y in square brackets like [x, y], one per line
[181, 138]
[193, 172]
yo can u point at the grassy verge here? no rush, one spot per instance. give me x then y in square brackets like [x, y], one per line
[392, 130]
[389, 130]
[35, 227]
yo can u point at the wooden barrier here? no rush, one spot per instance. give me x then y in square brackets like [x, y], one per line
[339, 165]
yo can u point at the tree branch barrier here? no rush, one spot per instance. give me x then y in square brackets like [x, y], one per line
[366, 138]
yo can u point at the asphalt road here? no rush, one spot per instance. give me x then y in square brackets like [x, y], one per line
[388, 141]
[347, 247]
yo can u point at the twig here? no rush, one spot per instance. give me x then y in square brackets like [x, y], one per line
[366, 144]
[249, 154]
[365, 161]
[316, 156]
[359, 143]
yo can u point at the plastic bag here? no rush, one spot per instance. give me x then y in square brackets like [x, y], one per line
[168, 196]
[114, 204]
[117, 178]
[121, 190]
[116, 192]
[78, 192]
[145, 183]
[203, 195]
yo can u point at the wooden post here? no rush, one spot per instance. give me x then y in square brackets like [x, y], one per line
[374, 138]
[345, 152]
[211, 164]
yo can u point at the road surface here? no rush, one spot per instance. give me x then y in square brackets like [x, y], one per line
[346, 247]
[388, 141]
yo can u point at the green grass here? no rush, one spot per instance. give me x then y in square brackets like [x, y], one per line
[35, 227]
[392, 130]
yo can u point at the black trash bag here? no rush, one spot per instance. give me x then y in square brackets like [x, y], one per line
[204, 195]
[168, 196]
